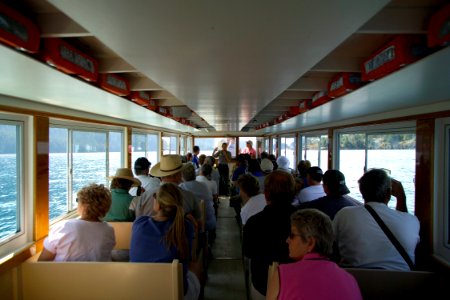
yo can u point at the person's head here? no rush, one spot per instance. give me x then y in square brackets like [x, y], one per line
[249, 144]
[266, 165]
[334, 183]
[188, 157]
[169, 204]
[224, 146]
[283, 162]
[241, 160]
[375, 186]
[201, 159]
[142, 166]
[311, 231]
[279, 188]
[206, 170]
[168, 169]
[302, 166]
[123, 179]
[314, 174]
[248, 184]
[196, 150]
[210, 160]
[264, 154]
[94, 201]
[253, 166]
[188, 172]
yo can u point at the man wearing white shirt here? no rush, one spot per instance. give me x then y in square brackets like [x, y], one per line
[253, 199]
[141, 170]
[315, 190]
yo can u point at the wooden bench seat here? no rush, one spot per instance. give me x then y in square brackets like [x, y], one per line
[99, 280]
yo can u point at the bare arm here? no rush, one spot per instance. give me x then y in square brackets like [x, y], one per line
[398, 192]
[273, 288]
[46, 255]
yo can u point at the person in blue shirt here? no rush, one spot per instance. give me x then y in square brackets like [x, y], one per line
[195, 152]
[165, 236]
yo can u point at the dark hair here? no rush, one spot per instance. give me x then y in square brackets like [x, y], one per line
[375, 186]
[254, 166]
[315, 173]
[121, 183]
[264, 154]
[188, 172]
[279, 188]
[141, 166]
[206, 170]
[196, 149]
[249, 184]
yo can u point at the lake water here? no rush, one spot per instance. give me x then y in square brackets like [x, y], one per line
[90, 167]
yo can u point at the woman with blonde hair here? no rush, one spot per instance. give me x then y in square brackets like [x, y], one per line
[166, 235]
[87, 238]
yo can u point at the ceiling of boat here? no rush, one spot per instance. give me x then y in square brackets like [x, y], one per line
[229, 65]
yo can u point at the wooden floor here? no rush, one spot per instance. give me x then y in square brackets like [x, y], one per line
[226, 273]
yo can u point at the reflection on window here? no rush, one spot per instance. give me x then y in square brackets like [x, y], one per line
[145, 145]
[391, 150]
[207, 145]
[10, 196]
[182, 145]
[79, 157]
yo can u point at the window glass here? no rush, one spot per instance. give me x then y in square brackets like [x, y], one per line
[397, 153]
[315, 149]
[58, 171]
[394, 150]
[169, 144]
[287, 149]
[115, 152]
[274, 149]
[145, 145]
[78, 157]
[266, 145]
[243, 143]
[207, 144]
[182, 145]
[88, 160]
[10, 196]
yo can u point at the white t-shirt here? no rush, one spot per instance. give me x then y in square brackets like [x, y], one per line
[211, 185]
[311, 193]
[147, 182]
[362, 243]
[253, 206]
[79, 240]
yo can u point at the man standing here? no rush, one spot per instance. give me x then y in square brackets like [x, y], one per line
[224, 158]
[195, 152]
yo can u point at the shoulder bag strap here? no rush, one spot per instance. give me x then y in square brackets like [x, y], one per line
[391, 236]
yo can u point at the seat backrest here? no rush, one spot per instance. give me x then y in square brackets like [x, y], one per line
[100, 280]
[122, 230]
[388, 284]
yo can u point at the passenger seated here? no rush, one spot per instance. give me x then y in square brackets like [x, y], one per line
[142, 169]
[335, 190]
[361, 241]
[166, 236]
[313, 275]
[121, 199]
[265, 233]
[283, 164]
[254, 201]
[315, 190]
[87, 238]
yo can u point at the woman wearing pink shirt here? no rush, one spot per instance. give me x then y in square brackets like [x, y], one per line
[313, 275]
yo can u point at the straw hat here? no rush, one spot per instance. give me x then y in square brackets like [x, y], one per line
[125, 173]
[169, 164]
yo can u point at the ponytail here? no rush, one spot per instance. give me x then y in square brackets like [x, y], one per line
[170, 200]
